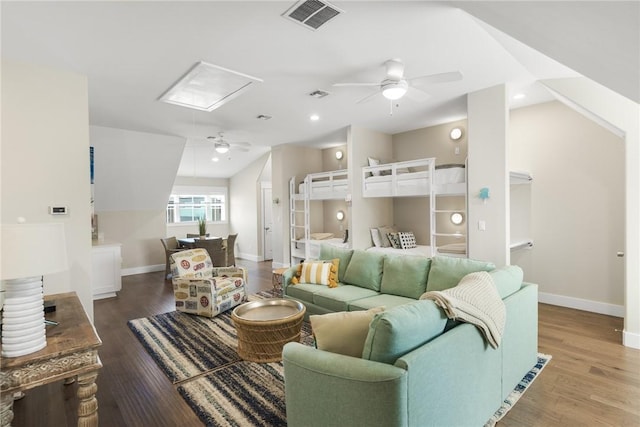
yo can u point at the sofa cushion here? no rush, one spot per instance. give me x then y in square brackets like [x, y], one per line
[337, 299]
[364, 269]
[401, 329]
[508, 279]
[405, 276]
[381, 300]
[447, 271]
[342, 332]
[329, 252]
[319, 272]
[304, 291]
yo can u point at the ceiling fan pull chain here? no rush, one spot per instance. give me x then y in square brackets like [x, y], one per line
[390, 107]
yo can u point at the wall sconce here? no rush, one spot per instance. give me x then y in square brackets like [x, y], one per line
[340, 215]
[455, 134]
[339, 155]
[456, 218]
[276, 201]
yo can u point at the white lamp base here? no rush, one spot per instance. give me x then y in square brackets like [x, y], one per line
[23, 327]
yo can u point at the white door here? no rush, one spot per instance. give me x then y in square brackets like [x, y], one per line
[267, 223]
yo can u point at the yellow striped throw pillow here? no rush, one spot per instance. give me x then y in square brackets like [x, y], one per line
[319, 272]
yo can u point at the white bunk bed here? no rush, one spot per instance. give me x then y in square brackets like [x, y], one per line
[413, 178]
[458, 250]
[332, 185]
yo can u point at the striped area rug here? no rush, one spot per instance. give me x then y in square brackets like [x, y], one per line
[199, 356]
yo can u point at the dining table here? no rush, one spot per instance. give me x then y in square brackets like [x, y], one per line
[190, 242]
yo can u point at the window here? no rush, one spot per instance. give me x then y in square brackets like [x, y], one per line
[191, 207]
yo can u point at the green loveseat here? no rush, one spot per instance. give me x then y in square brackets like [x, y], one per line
[418, 368]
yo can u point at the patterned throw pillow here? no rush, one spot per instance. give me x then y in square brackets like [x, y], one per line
[407, 239]
[319, 272]
[394, 238]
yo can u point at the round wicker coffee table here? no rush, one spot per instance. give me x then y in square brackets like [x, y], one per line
[265, 326]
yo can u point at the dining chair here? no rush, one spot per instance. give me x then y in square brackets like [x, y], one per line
[215, 250]
[192, 235]
[171, 246]
[231, 254]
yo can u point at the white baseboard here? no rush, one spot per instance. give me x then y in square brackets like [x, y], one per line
[249, 257]
[630, 340]
[279, 265]
[582, 304]
[143, 269]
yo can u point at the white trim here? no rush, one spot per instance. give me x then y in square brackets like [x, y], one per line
[582, 304]
[248, 257]
[275, 265]
[142, 269]
[630, 340]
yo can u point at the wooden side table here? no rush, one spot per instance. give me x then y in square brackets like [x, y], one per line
[277, 281]
[71, 352]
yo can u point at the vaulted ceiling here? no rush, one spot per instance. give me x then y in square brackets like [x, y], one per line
[131, 52]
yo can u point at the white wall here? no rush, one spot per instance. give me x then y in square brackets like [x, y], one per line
[244, 214]
[134, 174]
[287, 161]
[366, 212]
[45, 162]
[487, 153]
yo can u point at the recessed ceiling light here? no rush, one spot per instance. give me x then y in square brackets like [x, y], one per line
[206, 87]
[519, 96]
[215, 159]
[314, 117]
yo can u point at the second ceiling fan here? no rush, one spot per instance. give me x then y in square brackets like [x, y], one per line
[394, 86]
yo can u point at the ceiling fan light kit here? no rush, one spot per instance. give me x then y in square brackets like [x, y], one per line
[222, 147]
[392, 89]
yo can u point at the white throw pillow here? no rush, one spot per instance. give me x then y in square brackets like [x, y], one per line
[375, 237]
[343, 332]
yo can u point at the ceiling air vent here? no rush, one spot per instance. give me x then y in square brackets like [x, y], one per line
[312, 13]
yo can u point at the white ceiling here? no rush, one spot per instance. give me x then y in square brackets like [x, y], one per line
[131, 52]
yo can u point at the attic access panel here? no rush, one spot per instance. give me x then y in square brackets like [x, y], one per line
[206, 87]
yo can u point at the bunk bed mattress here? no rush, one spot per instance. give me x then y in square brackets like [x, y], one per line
[420, 250]
[326, 186]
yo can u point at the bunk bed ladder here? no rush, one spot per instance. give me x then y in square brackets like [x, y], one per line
[432, 209]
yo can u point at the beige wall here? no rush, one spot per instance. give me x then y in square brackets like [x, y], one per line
[45, 162]
[577, 200]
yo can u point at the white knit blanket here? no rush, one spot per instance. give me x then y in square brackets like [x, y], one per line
[474, 300]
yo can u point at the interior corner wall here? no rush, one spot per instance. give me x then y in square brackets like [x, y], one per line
[369, 212]
[244, 214]
[577, 199]
[624, 114]
[488, 113]
[288, 161]
[45, 162]
[134, 173]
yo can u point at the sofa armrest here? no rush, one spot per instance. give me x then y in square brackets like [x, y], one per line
[287, 276]
[327, 389]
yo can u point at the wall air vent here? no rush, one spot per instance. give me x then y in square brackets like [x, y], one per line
[312, 13]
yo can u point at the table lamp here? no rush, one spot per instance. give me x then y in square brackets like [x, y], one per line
[29, 251]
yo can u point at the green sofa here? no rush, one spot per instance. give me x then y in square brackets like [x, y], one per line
[418, 368]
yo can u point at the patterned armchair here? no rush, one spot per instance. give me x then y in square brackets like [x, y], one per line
[199, 288]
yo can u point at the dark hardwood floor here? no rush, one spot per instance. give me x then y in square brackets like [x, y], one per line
[592, 379]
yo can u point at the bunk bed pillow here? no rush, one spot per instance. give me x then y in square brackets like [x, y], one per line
[375, 237]
[405, 276]
[374, 162]
[319, 273]
[365, 270]
[330, 252]
[407, 239]
[446, 272]
[384, 232]
[394, 239]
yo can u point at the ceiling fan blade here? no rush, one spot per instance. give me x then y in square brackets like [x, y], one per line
[417, 95]
[367, 98]
[451, 76]
[243, 149]
[355, 84]
[242, 144]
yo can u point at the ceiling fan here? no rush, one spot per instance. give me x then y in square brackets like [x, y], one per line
[222, 146]
[395, 85]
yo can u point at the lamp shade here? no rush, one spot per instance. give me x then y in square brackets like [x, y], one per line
[32, 250]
